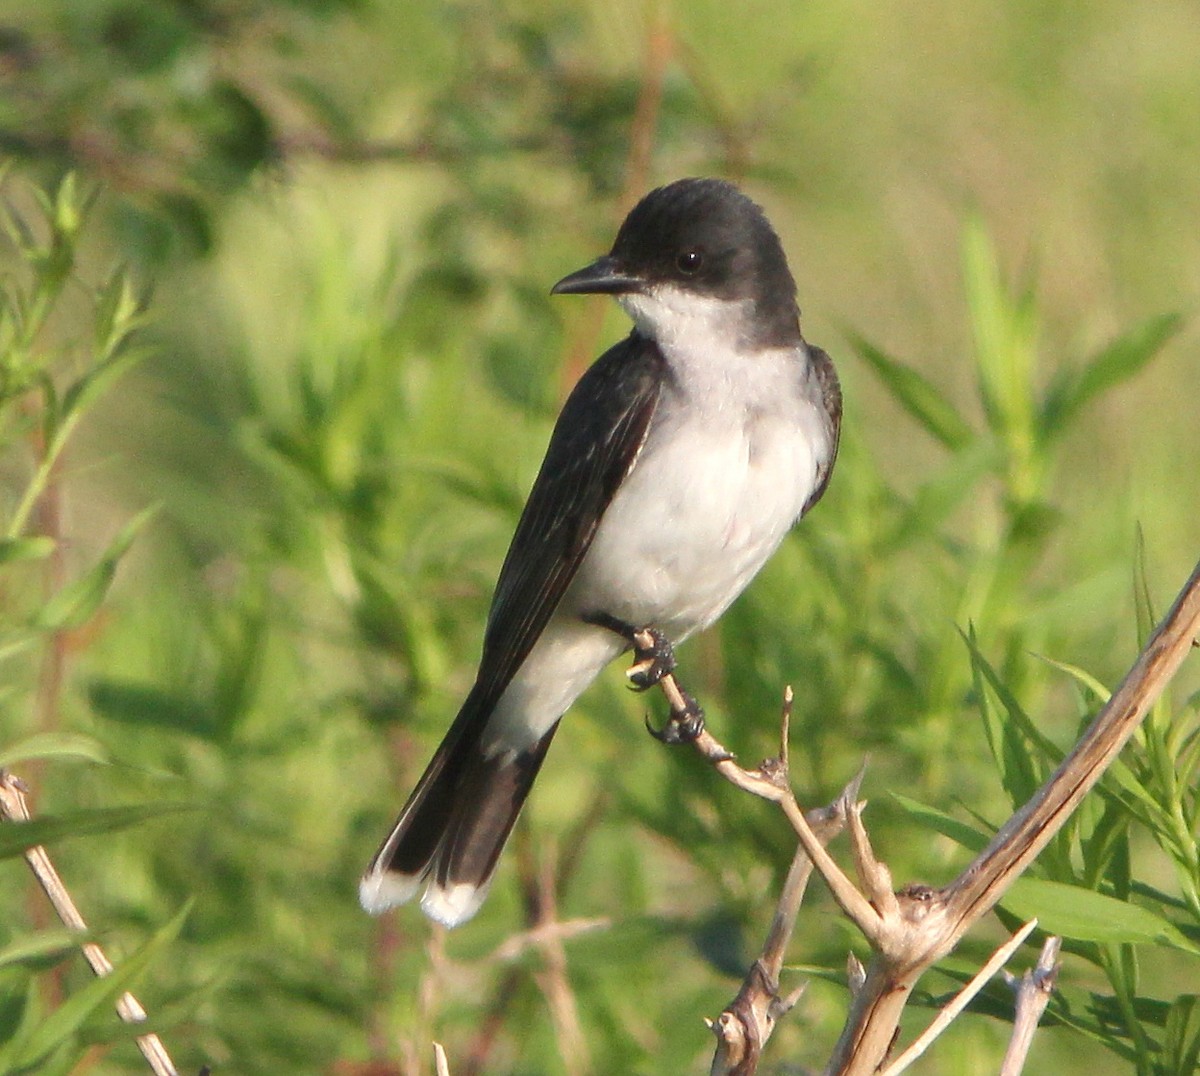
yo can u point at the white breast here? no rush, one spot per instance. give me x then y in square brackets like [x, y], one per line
[729, 461]
[731, 457]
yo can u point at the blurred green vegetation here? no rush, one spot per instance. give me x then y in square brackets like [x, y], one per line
[279, 364]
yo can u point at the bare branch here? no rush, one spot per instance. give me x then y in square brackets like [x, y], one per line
[876, 878]
[13, 808]
[552, 978]
[931, 923]
[911, 929]
[750, 1018]
[770, 782]
[1033, 991]
[517, 945]
[960, 1000]
[475, 1058]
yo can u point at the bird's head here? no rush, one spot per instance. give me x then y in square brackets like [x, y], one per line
[697, 249]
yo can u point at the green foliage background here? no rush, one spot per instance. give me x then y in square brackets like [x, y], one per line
[340, 222]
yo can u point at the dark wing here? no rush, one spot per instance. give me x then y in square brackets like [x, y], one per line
[831, 402]
[594, 444]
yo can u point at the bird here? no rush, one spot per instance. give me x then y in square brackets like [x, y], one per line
[679, 462]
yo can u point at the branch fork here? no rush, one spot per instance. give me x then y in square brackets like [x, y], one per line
[910, 929]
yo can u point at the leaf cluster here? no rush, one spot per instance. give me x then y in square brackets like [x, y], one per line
[45, 392]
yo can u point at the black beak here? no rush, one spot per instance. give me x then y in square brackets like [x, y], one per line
[602, 277]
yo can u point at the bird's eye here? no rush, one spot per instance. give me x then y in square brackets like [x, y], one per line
[689, 261]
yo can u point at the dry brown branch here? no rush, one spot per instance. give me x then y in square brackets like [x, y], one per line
[748, 1021]
[930, 923]
[770, 782]
[515, 946]
[1033, 990]
[911, 929]
[960, 1001]
[14, 808]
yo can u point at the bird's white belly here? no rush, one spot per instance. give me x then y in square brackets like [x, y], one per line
[729, 462]
[697, 517]
[690, 526]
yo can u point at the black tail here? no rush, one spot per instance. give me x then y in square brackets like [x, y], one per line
[452, 829]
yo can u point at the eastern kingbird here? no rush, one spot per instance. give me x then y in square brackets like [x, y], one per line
[679, 462]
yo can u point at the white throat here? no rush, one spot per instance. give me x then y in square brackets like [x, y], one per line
[684, 323]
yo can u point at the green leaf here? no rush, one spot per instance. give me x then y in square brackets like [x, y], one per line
[1147, 615]
[80, 394]
[1085, 678]
[142, 704]
[1094, 1015]
[1120, 778]
[60, 1026]
[1181, 1043]
[117, 313]
[20, 1011]
[942, 494]
[1015, 711]
[68, 211]
[941, 822]
[79, 599]
[918, 396]
[1004, 326]
[1116, 362]
[1010, 739]
[1085, 915]
[1105, 850]
[49, 745]
[993, 727]
[40, 950]
[25, 548]
[1121, 965]
[16, 837]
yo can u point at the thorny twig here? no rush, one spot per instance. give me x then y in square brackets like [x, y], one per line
[747, 1022]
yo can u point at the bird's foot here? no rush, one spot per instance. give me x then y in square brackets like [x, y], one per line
[683, 726]
[651, 662]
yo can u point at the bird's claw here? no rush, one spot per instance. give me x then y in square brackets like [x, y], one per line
[683, 726]
[651, 663]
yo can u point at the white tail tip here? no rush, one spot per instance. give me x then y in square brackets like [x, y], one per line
[380, 890]
[453, 904]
